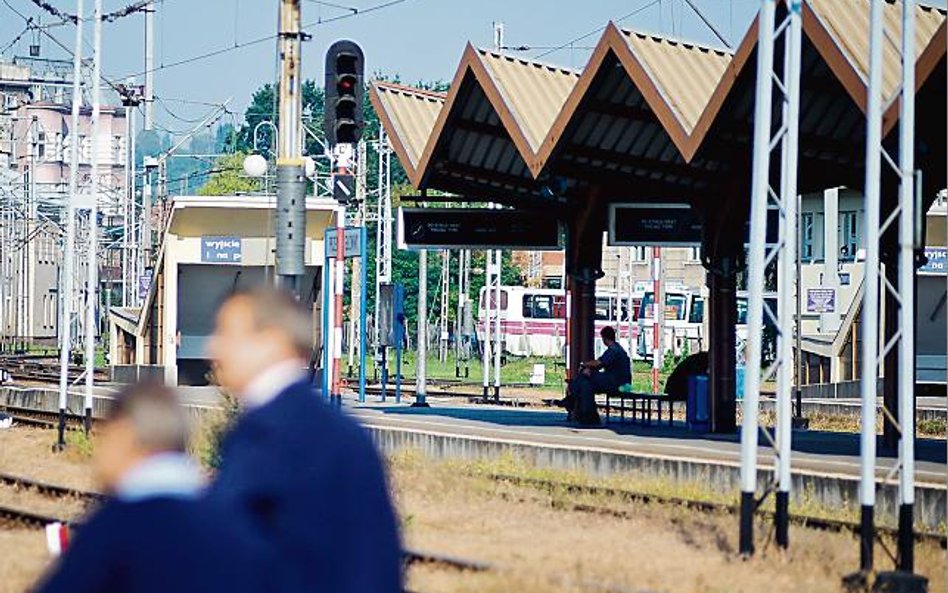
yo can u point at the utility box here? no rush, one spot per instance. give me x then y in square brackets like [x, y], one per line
[391, 314]
[697, 411]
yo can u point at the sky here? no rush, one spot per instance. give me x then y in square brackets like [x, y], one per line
[414, 39]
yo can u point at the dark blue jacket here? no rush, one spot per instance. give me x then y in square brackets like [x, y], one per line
[311, 483]
[159, 545]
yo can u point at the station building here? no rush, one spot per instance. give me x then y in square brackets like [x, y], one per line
[212, 246]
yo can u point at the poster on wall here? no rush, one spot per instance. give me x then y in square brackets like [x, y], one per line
[821, 300]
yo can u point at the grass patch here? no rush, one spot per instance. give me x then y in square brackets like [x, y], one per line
[805, 503]
[517, 370]
[209, 431]
[79, 445]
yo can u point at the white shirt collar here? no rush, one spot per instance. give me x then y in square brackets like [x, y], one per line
[272, 381]
[162, 474]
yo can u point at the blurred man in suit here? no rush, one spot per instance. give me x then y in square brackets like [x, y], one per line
[154, 534]
[307, 478]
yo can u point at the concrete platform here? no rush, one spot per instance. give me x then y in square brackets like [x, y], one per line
[825, 465]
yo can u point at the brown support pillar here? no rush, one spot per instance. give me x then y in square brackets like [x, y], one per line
[722, 355]
[583, 268]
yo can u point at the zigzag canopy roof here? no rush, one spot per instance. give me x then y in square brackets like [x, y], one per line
[668, 114]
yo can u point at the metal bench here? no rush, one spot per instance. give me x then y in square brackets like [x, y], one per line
[641, 406]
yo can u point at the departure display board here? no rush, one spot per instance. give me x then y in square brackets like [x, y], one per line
[655, 225]
[477, 228]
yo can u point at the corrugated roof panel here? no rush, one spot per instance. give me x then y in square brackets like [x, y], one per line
[848, 22]
[534, 92]
[413, 113]
[685, 74]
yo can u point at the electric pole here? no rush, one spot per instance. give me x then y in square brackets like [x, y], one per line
[291, 187]
[92, 271]
[65, 296]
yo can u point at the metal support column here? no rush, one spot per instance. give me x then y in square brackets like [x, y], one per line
[67, 287]
[498, 312]
[421, 366]
[92, 271]
[762, 255]
[291, 187]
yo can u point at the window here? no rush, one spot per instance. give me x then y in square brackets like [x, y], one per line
[638, 254]
[848, 235]
[806, 236]
[604, 308]
[696, 315]
[694, 254]
[675, 306]
[41, 145]
[493, 300]
[541, 306]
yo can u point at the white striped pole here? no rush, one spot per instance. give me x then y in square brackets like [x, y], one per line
[870, 304]
[755, 306]
[338, 290]
[906, 538]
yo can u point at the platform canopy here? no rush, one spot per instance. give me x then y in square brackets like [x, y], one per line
[651, 117]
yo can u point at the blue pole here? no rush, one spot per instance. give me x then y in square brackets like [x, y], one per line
[398, 361]
[362, 313]
[326, 387]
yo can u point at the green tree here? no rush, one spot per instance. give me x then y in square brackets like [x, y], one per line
[228, 178]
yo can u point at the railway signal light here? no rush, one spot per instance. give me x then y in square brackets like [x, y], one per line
[344, 87]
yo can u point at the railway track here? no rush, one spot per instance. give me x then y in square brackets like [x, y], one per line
[13, 517]
[43, 368]
[807, 521]
[48, 489]
[42, 418]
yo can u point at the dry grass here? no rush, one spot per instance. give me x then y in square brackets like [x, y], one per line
[28, 452]
[23, 557]
[448, 507]
[454, 508]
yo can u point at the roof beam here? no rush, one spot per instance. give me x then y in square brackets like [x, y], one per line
[638, 162]
[525, 184]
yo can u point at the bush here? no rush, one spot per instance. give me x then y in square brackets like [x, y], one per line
[211, 428]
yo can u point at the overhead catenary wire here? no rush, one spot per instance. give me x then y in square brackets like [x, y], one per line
[139, 6]
[258, 40]
[569, 43]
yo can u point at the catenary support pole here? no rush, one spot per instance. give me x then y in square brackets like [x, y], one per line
[906, 538]
[291, 187]
[870, 303]
[92, 269]
[787, 263]
[68, 282]
[755, 305]
[149, 99]
[485, 305]
[498, 313]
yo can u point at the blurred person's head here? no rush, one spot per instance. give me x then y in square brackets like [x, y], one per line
[145, 420]
[608, 335]
[256, 329]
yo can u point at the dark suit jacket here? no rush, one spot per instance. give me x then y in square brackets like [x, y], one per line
[159, 545]
[311, 483]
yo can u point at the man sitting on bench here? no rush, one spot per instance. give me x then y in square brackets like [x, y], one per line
[602, 375]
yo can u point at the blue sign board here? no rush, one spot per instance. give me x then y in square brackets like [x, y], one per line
[351, 247]
[937, 261]
[220, 250]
